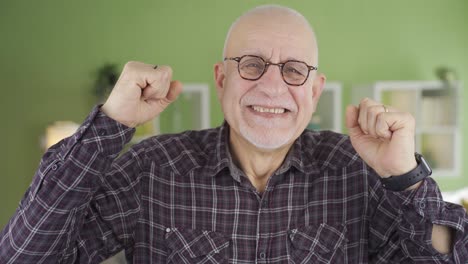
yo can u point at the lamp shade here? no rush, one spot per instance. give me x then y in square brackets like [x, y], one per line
[58, 131]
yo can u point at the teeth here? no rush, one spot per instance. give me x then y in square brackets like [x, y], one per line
[268, 110]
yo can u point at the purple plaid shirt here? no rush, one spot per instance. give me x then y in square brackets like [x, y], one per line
[180, 199]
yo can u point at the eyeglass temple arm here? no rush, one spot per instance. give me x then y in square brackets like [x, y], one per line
[233, 58]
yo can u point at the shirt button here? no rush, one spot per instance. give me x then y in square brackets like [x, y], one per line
[422, 204]
[54, 167]
[102, 132]
[168, 230]
[262, 255]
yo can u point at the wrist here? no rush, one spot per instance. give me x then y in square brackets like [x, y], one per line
[409, 180]
[413, 166]
[106, 109]
[407, 168]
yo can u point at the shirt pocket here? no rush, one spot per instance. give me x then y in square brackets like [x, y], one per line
[321, 243]
[196, 246]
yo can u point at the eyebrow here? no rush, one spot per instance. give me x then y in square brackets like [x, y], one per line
[259, 53]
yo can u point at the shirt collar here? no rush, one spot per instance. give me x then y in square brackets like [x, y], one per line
[223, 157]
[293, 158]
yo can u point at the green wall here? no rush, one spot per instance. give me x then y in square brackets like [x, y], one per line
[50, 51]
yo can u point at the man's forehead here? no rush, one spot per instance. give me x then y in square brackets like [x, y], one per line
[268, 53]
[273, 45]
[282, 38]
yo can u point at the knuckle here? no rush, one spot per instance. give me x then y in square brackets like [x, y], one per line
[167, 70]
[375, 111]
[364, 101]
[410, 117]
[130, 64]
[380, 116]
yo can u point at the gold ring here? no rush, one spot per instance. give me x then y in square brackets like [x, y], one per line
[385, 108]
[155, 67]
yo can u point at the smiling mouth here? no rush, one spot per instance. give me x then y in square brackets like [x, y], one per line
[262, 109]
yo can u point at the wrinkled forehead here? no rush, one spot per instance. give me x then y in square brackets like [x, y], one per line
[274, 37]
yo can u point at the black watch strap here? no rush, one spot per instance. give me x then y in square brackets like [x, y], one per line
[402, 182]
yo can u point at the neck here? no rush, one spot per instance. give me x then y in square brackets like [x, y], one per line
[257, 164]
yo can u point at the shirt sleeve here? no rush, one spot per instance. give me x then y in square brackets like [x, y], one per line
[401, 224]
[57, 218]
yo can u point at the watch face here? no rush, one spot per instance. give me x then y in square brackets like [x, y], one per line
[425, 164]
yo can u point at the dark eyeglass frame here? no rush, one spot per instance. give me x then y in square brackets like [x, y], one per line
[267, 64]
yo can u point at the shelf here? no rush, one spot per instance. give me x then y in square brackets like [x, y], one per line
[328, 113]
[435, 106]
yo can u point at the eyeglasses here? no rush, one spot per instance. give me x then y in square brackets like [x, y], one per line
[253, 67]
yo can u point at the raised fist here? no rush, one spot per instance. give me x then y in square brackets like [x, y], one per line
[141, 93]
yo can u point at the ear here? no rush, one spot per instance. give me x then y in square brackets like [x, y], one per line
[219, 76]
[317, 88]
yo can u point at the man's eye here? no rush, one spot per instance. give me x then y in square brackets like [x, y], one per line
[254, 65]
[290, 70]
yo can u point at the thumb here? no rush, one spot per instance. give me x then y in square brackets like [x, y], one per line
[175, 89]
[352, 114]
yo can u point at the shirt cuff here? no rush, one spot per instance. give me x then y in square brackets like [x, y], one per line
[77, 163]
[424, 202]
[419, 209]
[103, 134]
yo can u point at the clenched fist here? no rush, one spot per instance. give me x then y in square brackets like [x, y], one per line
[383, 137]
[141, 93]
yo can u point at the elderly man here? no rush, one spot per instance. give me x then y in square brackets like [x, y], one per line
[258, 189]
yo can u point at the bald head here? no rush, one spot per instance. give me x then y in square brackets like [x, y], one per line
[276, 20]
[276, 34]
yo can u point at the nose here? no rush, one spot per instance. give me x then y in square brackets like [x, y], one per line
[272, 81]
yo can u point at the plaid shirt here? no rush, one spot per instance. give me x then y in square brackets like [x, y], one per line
[180, 199]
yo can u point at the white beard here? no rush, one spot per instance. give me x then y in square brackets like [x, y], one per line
[265, 138]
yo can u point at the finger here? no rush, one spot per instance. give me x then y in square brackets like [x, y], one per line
[141, 73]
[157, 82]
[364, 107]
[395, 123]
[362, 119]
[175, 89]
[382, 126]
[164, 82]
[373, 112]
[352, 113]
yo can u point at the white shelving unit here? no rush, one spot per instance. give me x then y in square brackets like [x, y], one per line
[329, 110]
[436, 108]
[191, 111]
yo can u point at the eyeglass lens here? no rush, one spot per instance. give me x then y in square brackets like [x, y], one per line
[293, 72]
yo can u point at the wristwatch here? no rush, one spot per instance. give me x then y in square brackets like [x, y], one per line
[402, 182]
